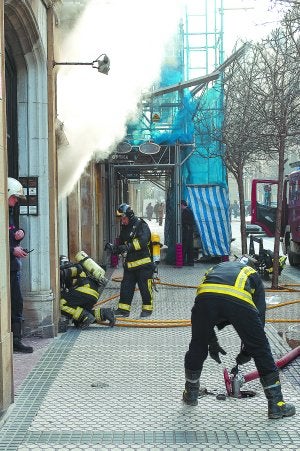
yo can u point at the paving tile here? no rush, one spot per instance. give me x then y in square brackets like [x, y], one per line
[121, 388]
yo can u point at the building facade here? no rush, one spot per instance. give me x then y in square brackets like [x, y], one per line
[28, 152]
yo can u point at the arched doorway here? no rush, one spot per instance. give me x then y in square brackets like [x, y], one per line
[25, 31]
[11, 113]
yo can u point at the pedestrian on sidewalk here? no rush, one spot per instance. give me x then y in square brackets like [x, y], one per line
[16, 252]
[233, 293]
[187, 222]
[160, 211]
[149, 211]
[135, 237]
[155, 210]
[235, 208]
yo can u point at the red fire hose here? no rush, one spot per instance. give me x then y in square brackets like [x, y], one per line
[289, 357]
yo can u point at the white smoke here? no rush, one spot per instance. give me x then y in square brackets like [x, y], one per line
[93, 107]
[249, 20]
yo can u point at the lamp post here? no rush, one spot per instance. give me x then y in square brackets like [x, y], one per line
[102, 64]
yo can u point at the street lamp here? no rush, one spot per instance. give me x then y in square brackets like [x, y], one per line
[102, 64]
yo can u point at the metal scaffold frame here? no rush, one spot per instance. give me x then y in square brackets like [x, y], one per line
[203, 37]
[197, 55]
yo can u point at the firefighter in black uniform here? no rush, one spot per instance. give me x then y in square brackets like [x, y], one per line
[134, 245]
[187, 222]
[79, 294]
[233, 293]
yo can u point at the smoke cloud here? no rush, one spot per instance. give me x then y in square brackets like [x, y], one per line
[93, 107]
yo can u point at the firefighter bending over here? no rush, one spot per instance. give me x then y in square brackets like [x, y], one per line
[233, 293]
[79, 294]
[134, 245]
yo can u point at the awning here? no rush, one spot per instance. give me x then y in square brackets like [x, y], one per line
[211, 208]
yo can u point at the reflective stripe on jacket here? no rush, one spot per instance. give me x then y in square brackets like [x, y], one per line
[137, 236]
[229, 279]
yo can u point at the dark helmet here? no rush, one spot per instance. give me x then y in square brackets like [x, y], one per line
[125, 210]
[63, 260]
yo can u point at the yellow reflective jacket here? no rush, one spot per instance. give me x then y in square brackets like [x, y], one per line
[137, 236]
[237, 282]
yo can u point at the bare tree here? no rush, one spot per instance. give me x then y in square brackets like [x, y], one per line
[277, 108]
[232, 124]
[261, 112]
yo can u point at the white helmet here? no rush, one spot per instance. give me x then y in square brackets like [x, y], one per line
[14, 188]
[248, 261]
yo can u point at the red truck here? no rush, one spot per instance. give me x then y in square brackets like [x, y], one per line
[263, 211]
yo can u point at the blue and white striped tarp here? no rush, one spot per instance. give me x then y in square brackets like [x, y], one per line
[211, 208]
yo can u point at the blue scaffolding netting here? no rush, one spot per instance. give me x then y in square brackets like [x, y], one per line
[196, 122]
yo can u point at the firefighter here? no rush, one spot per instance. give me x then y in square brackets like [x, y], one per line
[134, 246]
[233, 293]
[79, 294]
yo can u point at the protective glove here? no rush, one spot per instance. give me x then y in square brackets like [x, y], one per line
[103, 282]
[234, 370]
[243, 357]
[122, 248]
[107, 314]
[215, 349]
[85, 320]
[110, 248]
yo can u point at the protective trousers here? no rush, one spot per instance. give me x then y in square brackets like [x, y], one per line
[143, 277]
[208, 311]
[73, 303]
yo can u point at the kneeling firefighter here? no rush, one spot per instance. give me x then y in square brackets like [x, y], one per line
[233, 293]
[80, 284]
[265, 259]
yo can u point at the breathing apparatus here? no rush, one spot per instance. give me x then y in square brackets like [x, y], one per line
[155, 247]
[91, 267]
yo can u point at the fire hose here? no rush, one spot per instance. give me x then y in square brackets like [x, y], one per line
[125, 322]
[235, 380]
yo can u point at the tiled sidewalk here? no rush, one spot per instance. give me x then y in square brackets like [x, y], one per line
[120, 388]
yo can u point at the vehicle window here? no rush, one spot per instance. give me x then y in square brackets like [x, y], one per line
[267, 194]
[294, 191]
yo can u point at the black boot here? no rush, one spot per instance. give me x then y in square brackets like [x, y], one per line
[277, 408]
[85, 319]
[121, 312]
[192, 385]
[18, 346]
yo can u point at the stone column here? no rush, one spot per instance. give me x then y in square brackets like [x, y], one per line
[52, 156]
[6, 367]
